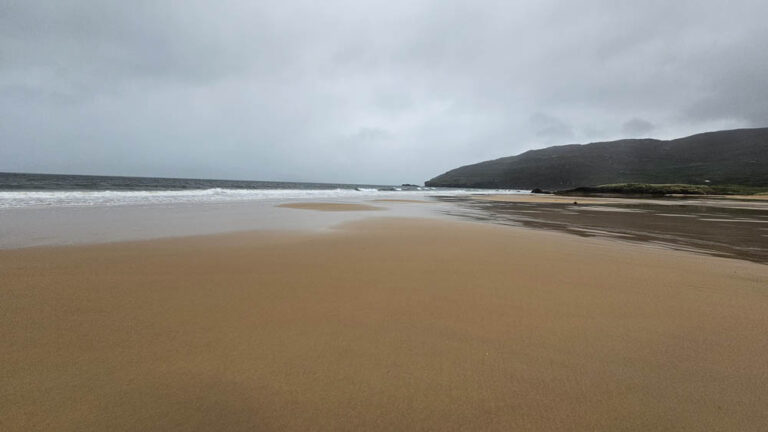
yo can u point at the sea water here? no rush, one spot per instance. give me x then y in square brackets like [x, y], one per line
[45, 190]
[43, 209]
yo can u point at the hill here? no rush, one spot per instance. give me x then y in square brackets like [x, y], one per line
[732, 157]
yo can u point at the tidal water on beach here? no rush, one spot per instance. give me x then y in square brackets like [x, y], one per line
[715, 227]
[42, 210]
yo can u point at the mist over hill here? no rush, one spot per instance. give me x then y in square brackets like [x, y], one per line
[732, 157]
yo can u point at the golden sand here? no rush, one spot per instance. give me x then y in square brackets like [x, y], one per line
[404, 201]
[322, 206]
[383, 325]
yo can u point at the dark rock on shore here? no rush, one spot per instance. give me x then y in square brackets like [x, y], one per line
[541, 191]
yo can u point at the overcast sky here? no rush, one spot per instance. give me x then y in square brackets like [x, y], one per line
[362, 91]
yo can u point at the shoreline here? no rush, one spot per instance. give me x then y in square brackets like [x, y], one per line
[82, 225]
[724, 228]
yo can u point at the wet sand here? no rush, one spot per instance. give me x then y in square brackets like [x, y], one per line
[323, 206]
[726, 228]
[547, 198]
[402, 201]
[58, 226]
[382, 324]
[723, 201]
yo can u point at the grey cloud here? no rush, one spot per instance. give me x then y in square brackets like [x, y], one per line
[361, 91]
[637, 127]
[551, 128]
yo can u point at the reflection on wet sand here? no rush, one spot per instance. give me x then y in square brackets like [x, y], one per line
[714, 227]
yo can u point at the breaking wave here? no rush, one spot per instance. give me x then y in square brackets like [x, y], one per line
[61, 198]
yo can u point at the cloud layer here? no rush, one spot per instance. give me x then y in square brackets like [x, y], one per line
[362, 91]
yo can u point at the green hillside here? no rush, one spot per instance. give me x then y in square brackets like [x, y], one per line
[733, 157]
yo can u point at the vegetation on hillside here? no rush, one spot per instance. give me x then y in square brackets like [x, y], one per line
[714, 159]
[664, 189]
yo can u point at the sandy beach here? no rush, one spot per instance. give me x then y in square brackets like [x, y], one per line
[512, 216]
[332, 207]
[381, 324]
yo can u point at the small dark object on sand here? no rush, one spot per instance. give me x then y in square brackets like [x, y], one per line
[575, 203]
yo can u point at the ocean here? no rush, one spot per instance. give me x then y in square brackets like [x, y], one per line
[54, 190]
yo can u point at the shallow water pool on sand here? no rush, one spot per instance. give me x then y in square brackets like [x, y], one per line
[46, 226]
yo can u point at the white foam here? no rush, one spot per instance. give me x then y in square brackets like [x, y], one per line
[18, 199]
